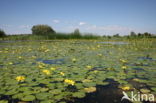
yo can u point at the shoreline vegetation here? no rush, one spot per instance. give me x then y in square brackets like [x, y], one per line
[45, 32]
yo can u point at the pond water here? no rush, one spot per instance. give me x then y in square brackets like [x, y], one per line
[114, 43]
[76, 71]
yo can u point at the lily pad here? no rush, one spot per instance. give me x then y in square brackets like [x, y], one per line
[28, 98]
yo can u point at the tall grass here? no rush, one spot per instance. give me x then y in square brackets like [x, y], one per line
[50, 36]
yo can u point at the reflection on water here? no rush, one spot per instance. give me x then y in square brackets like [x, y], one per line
[54, 61]
[117, 43]
[104, 94]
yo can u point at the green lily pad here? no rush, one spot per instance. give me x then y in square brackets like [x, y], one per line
[28, 98]
[79, 94]
[42, 96]
[3, 101]
[144, 90]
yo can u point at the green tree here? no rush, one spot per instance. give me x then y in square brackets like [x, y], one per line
[76, 31]
[116, 35]
[132, 33]
[146, 34]
[76, 34]
[2, 33]
[42, 30]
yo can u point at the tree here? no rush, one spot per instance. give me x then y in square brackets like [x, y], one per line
[132, 33]
[146, 34]
[76, 32]
[116, 35]
[2, 33]
[42, 30]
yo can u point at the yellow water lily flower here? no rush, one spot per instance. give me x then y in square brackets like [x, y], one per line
[73, 60]
[68, 81]
[98, 46]
[99, 55]
[123, 61]
[33, 57]
[89, 67]
[95, 71]
[46, 71]
[40, 66]
[47, 50]
[125, 88]
[20, 57]
[20, 78]
[10, 63]
[52, 68]
[62, 73]
[124, 67]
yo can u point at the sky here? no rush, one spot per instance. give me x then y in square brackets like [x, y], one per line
[101, 17]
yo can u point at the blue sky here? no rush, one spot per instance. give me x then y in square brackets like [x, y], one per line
[90, 16]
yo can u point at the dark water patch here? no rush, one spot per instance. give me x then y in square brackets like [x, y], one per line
[104, 94]
[138, 69]
[114, 43]
[138, 85]
[146, 58]
[1, 66]
[138, 64]
[54, 61]
[101, 68]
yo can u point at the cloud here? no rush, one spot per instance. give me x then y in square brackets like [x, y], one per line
[25, 26]
[82, 23]
[56, 21]
[108, 29]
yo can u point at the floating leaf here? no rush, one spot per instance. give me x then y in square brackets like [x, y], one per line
[28, 98]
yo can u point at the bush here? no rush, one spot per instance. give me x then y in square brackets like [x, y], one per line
[76, 34]
[42, 30]
[2, 33]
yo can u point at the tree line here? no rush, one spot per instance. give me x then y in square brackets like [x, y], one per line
[44, 30]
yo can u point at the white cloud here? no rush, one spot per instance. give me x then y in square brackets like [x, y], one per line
[109, 29]
[82, 23]
[25, 26]
[56, 21]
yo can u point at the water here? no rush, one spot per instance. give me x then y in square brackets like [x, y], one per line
[117, 43]
[54, 61]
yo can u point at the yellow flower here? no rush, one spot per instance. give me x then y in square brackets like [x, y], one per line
[98, 46]
[135, 79]
[47, 50]
[89, 67]
[73, 60]
[123, 61]
[71, 82]
[124, 67]
[29, 49]
[52, 68]
[33, 57]
[19, 57]
[125, 88]
[20, 78]
[46, 71]
[10, 63]
[40, 66]
[95, 71]
[99, 55]
[62, 73]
